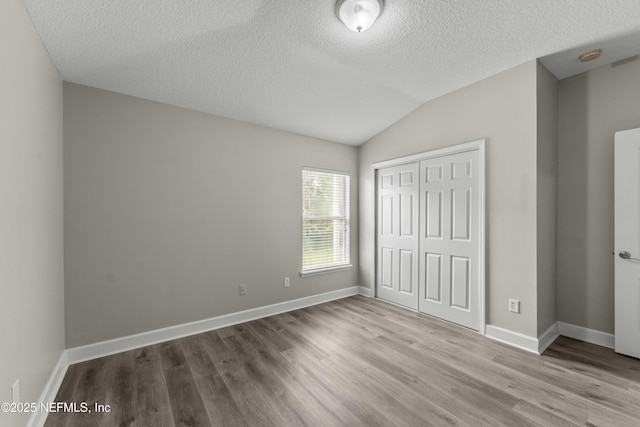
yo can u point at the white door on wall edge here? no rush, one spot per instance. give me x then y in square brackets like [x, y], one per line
[450, 225]
[397, 235]
[627, 242]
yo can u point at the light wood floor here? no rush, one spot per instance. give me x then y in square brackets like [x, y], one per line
[353, 362]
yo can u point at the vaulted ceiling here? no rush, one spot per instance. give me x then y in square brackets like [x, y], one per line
[292, 65]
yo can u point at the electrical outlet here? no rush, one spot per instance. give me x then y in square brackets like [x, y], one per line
[15, 392]
[243, 289]
[287, 282]
[514, 306]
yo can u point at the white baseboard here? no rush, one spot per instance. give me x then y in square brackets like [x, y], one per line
[50, 391]
[514, 339]
[592, 336]
[540, 344]
[548, 337]
[117, 345]
[365, 292]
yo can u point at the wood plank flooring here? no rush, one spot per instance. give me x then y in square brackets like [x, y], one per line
[353, 362]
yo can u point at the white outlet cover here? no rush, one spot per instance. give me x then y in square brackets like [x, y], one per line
[514, 306]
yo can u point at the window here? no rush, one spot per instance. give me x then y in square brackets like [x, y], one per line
[325, 220]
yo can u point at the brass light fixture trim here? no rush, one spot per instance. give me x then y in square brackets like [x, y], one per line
[590, 55]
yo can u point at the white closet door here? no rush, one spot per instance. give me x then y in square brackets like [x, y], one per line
[449, 236]
[397, 235]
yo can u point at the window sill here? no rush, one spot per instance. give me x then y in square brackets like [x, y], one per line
[326, 270]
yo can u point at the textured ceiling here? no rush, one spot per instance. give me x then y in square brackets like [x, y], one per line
[291, 65]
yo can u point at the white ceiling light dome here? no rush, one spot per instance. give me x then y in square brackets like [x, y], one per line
[358, 15]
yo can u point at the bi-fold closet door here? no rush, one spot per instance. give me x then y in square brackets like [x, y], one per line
[428, 224]
[397, 235]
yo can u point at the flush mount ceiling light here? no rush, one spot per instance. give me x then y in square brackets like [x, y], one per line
[590, 55]
[358, 15]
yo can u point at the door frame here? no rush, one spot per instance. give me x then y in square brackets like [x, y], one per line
[454, 149]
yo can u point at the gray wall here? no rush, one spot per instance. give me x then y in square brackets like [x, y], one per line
[168, 210]
[31, 274]
[592, 107]
[547, 183]
[502, 109]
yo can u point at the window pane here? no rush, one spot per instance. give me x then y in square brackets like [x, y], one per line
[324, 194]
[325, 240]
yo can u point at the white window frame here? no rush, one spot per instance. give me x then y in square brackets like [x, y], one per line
[327, 268]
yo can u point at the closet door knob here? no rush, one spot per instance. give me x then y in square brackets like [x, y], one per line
[624, 255]
[627, 255]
